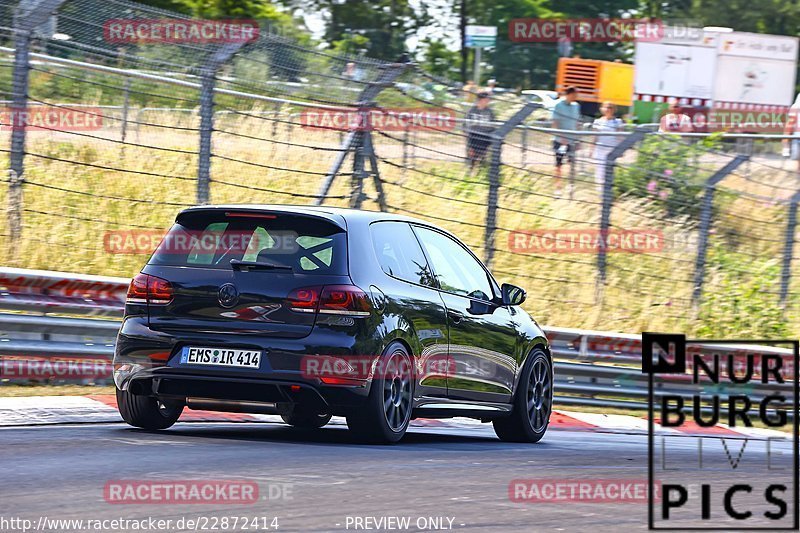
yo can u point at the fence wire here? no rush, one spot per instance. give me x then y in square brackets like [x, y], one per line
[280, 122]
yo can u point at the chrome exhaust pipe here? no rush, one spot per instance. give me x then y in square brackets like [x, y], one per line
[231, 406]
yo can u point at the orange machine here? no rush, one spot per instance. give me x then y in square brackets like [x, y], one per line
[598, 81]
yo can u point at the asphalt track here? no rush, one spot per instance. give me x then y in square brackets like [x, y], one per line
[60, 471]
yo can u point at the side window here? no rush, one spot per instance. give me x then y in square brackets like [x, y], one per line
[454, 267]
[399, 253]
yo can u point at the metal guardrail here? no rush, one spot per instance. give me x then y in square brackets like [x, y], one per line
[69, 316]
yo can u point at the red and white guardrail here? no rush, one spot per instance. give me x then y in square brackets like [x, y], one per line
[66, 323]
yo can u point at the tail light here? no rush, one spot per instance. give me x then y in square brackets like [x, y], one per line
[146, 289]
[304, 300]
[346, 300]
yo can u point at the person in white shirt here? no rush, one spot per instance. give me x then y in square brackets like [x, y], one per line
[603, 144]
[675, 121]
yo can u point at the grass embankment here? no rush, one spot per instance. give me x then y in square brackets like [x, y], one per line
[80, 190]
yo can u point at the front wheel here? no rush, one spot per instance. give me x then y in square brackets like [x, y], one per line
[533, 402]
[147, 412]
[387, 412]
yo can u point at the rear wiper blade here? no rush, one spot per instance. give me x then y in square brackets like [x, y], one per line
[246, 266]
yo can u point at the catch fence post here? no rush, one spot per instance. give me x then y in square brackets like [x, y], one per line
[126, 102]
[706, 215]
[607, 201]
[497, 138]
[358, 140]
[788, 248]
[208, 75]
[27, 16]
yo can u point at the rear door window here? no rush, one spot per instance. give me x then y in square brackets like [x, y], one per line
[307, 244]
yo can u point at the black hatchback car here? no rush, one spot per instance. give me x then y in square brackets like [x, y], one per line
[310, 312]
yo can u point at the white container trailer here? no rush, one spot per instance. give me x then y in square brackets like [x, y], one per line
[714, 69]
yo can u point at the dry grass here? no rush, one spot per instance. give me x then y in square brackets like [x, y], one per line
[70, 208]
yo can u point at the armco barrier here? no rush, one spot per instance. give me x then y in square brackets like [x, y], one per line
[73, 317]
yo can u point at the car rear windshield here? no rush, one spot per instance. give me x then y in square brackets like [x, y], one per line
[307, 244]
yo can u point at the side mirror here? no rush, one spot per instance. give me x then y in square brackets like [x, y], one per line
[512, 295]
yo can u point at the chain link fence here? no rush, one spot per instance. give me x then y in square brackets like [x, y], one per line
[642, 230]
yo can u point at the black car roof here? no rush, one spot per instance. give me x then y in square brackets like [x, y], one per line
[337, 215]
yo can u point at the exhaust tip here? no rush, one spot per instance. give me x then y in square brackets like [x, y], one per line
[232, 406]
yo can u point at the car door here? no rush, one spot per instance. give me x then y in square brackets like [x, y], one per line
[412, 300]
[482, 336]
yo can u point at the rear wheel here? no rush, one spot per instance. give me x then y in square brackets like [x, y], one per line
[305, 419]
[387, 412]
[533, 402]
[147, 412]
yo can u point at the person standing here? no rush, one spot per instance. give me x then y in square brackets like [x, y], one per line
[607, 123]
[479, 126]
[469, 91]
[566, 116]
[675, 121]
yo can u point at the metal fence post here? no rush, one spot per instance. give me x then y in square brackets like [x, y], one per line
[28, 15]
[357, 179]
[405, 150]
[608, 199]
[498, 135]
[788, 248]
[705, 223]
[14, 214]
[356, 139]
[208, 74]
[126, 102]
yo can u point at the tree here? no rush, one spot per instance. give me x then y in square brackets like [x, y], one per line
[439, 60]
[385, 24]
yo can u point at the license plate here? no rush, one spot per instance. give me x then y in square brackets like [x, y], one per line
[193, 355]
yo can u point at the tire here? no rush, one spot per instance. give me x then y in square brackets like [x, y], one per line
[147, 412]
[303, 419]
[533, 402]
[386, 414]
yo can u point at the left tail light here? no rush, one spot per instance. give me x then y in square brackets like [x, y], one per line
[147, 289]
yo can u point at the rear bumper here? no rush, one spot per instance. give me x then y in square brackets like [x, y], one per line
[148, 362]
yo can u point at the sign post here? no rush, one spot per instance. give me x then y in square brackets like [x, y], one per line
[479, 37]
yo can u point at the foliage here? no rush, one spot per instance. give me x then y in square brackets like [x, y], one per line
[439, 60]
[665, 172]
[743, 304]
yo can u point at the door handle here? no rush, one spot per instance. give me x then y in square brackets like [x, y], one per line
[455, 316]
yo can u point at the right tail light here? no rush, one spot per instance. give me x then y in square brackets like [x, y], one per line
[346, 300]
